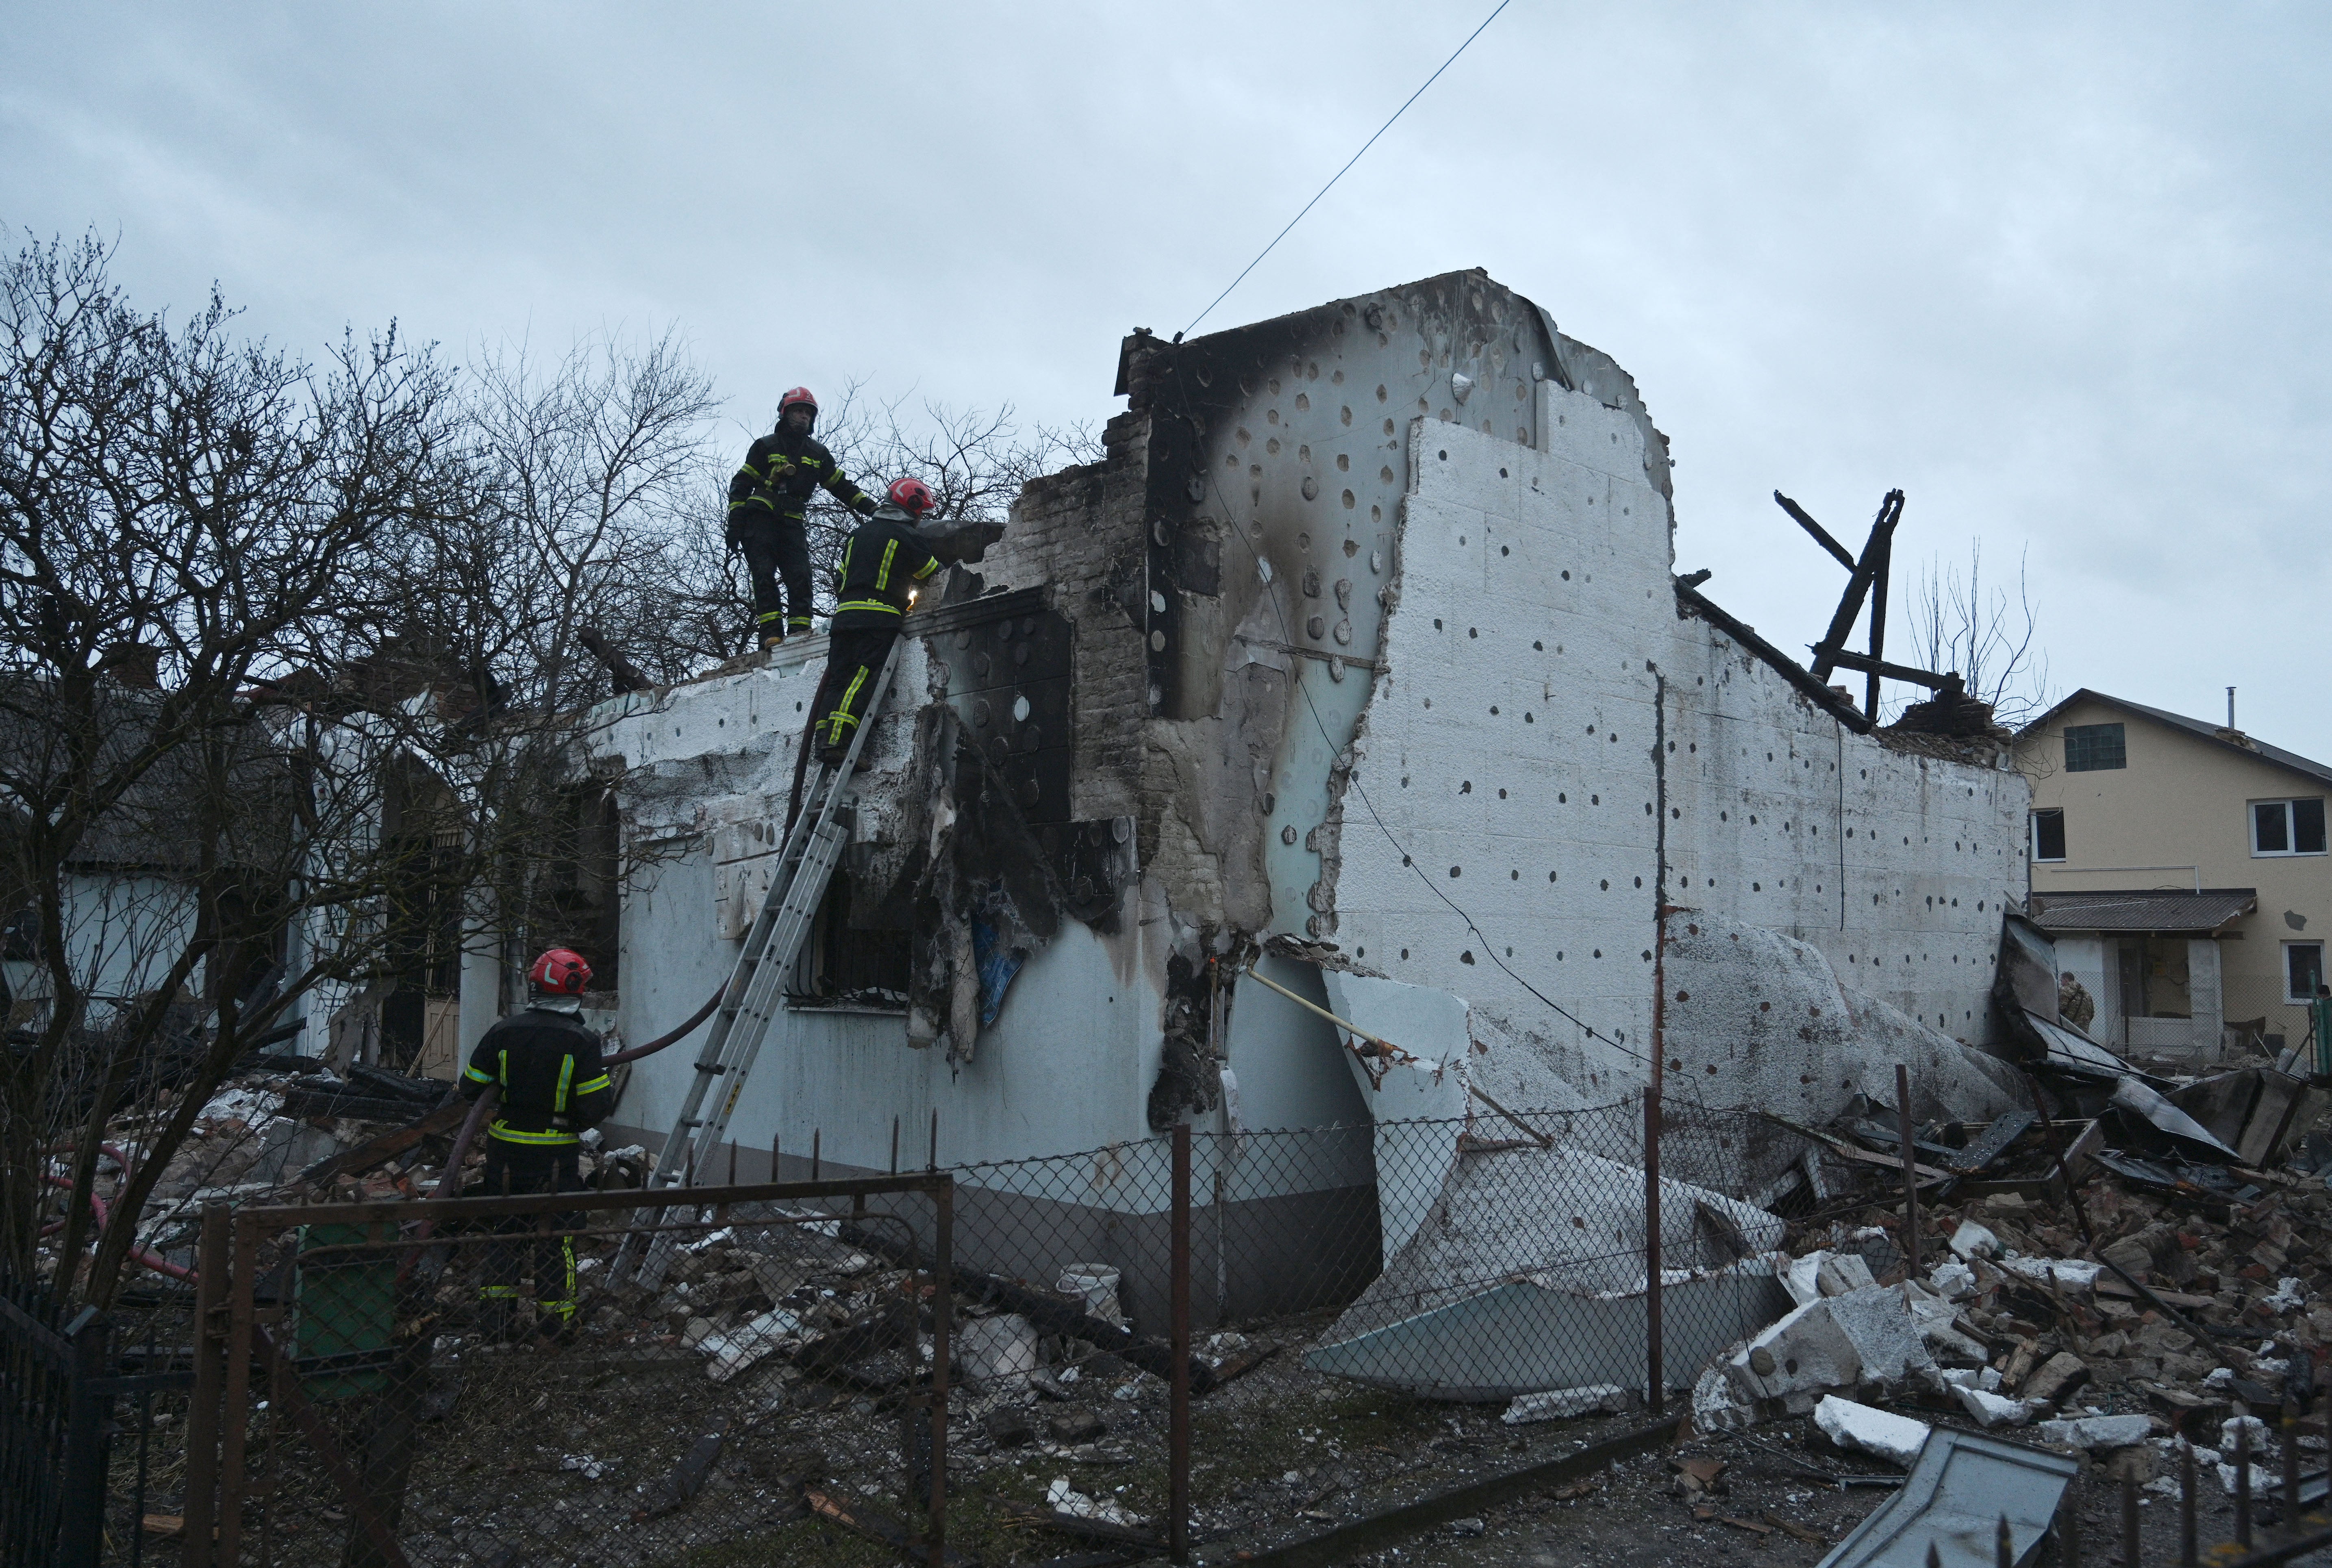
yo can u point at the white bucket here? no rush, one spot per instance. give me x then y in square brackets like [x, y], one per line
[1097, 1284]
[996, 1347]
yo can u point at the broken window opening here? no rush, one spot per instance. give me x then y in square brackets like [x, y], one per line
[845, 969]
[2094, 748]
[2287, 826]
[2049, 834]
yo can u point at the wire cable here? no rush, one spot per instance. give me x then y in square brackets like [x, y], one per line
[1354, 785]
[1341, 172]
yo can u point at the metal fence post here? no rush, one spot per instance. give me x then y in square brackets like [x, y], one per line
[942, 1321]
[235, 1414]
[80, 1522]
[210, 1377]
[1654, 1376]
[1178, 1505]
[1910, 1172]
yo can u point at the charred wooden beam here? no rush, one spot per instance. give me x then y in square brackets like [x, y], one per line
[1878, 622]
[1814, 692]
[1858, 587]
[1821, 534]
[1846, 659]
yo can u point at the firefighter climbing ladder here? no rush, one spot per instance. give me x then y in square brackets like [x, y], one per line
[797, 883]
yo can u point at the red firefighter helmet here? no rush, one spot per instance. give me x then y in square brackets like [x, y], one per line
[799, 395]
[561, 970]
[912, 496]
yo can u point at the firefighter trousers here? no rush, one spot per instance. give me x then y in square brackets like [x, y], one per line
[854, 663]
[529, 1244]
[777, 550]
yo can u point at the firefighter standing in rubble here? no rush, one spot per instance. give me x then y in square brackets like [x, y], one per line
[544, 1064]
[881, 565]
[768, 502]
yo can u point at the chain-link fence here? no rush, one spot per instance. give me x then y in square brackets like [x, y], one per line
[570, 1378]
[1003, 1359]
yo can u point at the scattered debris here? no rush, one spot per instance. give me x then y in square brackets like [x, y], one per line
[1558, 1404]
[1881, 1433]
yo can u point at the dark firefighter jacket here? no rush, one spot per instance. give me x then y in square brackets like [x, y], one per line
[780, 470]
[884, 557]
[546, 1064]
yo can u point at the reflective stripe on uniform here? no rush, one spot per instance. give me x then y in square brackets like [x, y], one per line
[566, 1077]
[842, 715]
[766, 616]
[498, 1293]
[882, 573]
[868, 605]
[503, 1056]
[514, 1135]
[930, 567]
[475, 1076]
[563, 1304]
[592, 1086]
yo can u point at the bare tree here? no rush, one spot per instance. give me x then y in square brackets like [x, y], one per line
[1985, 632]
[287, 674]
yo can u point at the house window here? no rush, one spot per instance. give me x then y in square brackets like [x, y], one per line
[2287, 826]
[2049, 834]
[2303, 970]
[2091, 748]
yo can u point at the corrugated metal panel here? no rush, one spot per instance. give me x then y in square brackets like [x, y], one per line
[1958, 1491]
[2144, 908]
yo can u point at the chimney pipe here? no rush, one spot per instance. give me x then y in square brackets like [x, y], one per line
[2230, 707]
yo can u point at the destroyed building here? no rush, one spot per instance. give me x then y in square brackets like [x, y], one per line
[1360, 655]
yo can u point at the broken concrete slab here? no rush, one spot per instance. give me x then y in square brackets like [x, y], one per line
[2095, 1432]
[1879, 1433]
[1522, 1336]
[1824, 1273]
[1864, 1339]
[2075, 1276]
[2056, 1378]
[1561, 1233]
[1561, 1404]
[1761, 1019]
[1972, 1242]
[1992, 1410]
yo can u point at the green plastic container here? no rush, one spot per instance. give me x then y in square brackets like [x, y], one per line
[346, 1308]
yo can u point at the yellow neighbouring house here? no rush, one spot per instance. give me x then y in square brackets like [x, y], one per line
[2180, 867]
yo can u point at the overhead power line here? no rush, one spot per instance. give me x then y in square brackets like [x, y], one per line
[1340, 174]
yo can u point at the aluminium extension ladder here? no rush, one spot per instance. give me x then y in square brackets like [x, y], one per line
[756, 988]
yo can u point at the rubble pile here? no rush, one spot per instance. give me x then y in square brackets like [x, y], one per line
[2150, 1298]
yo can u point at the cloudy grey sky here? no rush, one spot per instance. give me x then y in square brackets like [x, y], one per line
[2058, 272]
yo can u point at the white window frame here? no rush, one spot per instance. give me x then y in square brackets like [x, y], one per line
[2032, 832]
[2250, 829]
[2288, 997]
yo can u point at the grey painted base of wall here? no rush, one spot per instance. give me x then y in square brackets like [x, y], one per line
[1250, 1259]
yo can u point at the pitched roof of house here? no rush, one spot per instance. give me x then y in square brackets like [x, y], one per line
[2150, 909]
[2216, 734]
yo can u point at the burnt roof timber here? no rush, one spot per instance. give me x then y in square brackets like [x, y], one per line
[1821, 535]
[1814, 691]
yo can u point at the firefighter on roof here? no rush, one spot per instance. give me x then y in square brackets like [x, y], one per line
[544, 1064]
[769, 501]
[881, 565]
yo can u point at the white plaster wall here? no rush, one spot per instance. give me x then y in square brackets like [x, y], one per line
[1068, 1064]
[1534, 658]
